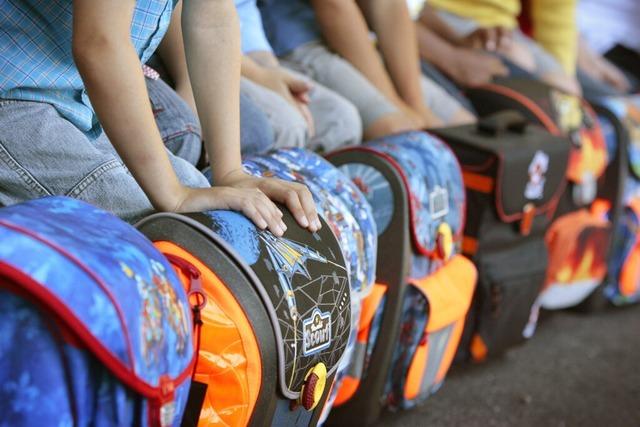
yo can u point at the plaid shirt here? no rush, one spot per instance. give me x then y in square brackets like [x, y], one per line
[36, 63]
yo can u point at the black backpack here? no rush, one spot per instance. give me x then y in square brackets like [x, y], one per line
[514, 175]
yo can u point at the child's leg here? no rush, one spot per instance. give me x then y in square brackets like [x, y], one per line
[43, 154]
[443, 105]
[337, 121]
[289, 126]
[379, 115]
[178, 124]
[180, 128]
[545, 66]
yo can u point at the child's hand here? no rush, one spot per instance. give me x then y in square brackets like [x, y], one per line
[253, 197]
[491, 39]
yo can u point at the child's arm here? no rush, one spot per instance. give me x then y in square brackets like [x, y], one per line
[345, 31]
[465, 66]
[110, 69]
[395, 30]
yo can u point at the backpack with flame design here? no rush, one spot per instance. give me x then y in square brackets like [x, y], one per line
[577, 268]
[620, 121]
[514, 175]
[412, 321]
[96, 328]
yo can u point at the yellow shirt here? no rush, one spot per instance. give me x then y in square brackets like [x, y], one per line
[553, 21]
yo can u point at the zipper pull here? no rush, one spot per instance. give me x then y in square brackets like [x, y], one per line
[196, 294]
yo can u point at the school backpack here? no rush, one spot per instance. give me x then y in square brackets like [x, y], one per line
[96, 327]
[578, 263]
[350, 217]
[412, 322]
[277, 322]
[620, 121]
[514, 175]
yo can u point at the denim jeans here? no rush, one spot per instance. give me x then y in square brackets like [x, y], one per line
[42, 154]
[181, 128]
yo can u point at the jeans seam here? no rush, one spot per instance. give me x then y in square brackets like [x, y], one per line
[93, 176]
[186, 131]
[23, 173]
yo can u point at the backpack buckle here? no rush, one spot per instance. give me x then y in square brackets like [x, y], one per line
[528, 214]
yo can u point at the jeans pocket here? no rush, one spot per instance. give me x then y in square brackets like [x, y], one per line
[17, 183]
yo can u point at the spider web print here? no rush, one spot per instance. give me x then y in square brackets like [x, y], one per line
[333, 298]
[307, 287]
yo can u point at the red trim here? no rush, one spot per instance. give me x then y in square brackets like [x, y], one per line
[534, 108]
[412, 214]
[550, 206]
[86, 270]
[16, 280]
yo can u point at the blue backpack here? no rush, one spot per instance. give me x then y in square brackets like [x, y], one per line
[96, 327]
[412, 321]
[620, 121]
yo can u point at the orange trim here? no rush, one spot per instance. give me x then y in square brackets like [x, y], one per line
[370, 306]
[528, 214]
[469, 245]
[478, 349]
[229, 359]
[477, 182]
[534, 108]
[449, 292]
[630, 274]
[634, 204]
[416, 371]
[601, 207]
[348, 388]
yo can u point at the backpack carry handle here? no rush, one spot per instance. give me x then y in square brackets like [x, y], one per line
[502, 122]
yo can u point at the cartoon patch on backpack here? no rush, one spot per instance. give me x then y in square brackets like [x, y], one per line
[537, 171]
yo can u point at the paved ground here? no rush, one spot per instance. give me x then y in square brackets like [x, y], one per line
[579, 370]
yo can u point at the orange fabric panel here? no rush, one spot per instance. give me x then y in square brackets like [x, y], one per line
[449, 292]
[601, 207]
[229, 358]
[630, 274]
[567, 261]
[416, 371]
[590, 159]
[369, 308]
[477, 182]
[370, 305]
[348, 388]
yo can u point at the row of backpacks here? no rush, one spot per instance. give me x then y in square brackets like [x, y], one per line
[436, 248]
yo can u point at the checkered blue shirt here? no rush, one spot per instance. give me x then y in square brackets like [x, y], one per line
[36, 63]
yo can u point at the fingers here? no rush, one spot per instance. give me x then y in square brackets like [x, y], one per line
[308, 117]
[309, 207]
[503, 38]
[490, 39]
[297, 85]
[298, 200]
[262, 211]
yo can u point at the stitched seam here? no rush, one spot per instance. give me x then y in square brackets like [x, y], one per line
[93, 176]
[22, 172]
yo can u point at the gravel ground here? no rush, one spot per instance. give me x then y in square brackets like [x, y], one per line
[578, 370]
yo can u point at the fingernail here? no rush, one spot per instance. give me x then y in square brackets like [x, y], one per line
[304, 221]
[318, 224]
[283, 226]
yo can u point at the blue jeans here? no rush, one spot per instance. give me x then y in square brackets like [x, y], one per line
[180, 128]
[43, 154]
